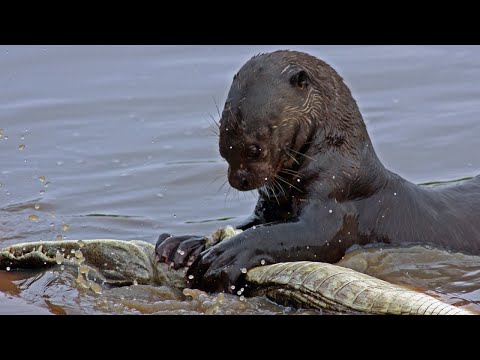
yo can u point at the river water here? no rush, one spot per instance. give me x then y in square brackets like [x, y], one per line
[116, 142]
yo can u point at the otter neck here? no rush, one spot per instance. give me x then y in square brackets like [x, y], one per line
[344, 172]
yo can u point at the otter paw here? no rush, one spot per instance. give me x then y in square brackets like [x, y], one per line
[222, 268]
[179, 251]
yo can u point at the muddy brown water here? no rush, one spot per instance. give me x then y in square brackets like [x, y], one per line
[115, 142]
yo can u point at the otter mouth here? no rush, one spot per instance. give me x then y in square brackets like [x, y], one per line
[244, 180]
[247, 183]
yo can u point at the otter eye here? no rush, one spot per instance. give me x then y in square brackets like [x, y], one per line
[253, 152]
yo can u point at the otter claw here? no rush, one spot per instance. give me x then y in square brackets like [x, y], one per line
[179, 251]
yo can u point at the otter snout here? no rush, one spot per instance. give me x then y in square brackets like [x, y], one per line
[243, 180]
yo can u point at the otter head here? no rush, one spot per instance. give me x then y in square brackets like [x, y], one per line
[276, 104]
[262, 124]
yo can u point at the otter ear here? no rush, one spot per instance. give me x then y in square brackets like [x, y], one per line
[300, 79]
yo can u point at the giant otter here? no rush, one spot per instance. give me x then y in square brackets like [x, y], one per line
[291, 129]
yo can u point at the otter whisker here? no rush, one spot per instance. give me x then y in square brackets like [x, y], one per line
[292, 172]
[214, 121]
[269, 189]
[220, 188]
[264, 188]
[216, 105]
[272, 186]
[286, 182]
[277, 184]
[218, 176]
[234, 117]
[253, 193]
[235, 195]
[214, 128]
[293, 158]
[228, 192]
[301, 154]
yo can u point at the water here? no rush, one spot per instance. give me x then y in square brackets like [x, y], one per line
[115, 142]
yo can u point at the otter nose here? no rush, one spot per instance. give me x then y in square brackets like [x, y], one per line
[242, 179]
[244, 183]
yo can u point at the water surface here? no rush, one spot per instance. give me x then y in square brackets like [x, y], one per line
[115, 142]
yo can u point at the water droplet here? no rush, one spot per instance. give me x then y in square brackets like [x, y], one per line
[266, 179]
[262, 262]
[244, 271]
[333, 177]
[81, 243]
[190, 277]
[47, 183]
[160, 195]
[242, 298]
[59, 238]
[33, 218]
[52, 216]
[231, 147]
[339, 240]
[52, 224]
[135, 282]
[42, 192]
[42, 178]
[181, 252]
[330, 211]
[21, 147]
[83, 269]
[174, 215]
[78, 254]
[59, 258]
[254, 227]
[97, 289]
[80, 280]
[65, 227]
[232, 287]
[395, 194]
[62, 267]
[37, 206]
[8, 268]
[60, 163]
[105, 264]
[239, 292]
